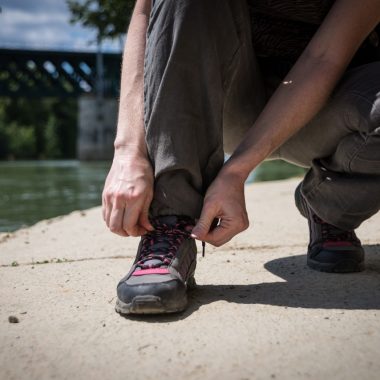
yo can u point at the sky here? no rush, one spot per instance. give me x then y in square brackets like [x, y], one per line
[44, 24]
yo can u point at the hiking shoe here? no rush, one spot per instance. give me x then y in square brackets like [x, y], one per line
[330, 248]
[163, 269]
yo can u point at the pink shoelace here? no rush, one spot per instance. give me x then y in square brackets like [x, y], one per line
[332, 234]
[159, 247]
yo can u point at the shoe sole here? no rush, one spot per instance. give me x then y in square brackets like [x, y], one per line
[150, 304]
[343, 266]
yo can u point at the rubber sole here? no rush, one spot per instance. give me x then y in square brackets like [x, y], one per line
[148, 304]
[151, 304]
[343, 266]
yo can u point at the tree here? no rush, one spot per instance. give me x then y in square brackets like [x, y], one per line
[110, 18]
[38, 128]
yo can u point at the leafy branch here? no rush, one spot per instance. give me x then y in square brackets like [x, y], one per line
[110, 18]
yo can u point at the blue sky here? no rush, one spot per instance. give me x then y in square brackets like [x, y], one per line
[44, 24]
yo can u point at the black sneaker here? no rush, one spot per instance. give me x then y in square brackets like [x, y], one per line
[163, 270]
[330, 248]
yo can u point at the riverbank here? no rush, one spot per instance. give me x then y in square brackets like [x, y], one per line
[258, 311]
[41, 189]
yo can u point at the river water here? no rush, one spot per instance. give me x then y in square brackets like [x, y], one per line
[34, 190]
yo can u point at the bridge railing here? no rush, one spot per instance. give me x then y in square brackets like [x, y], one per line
[48, 73]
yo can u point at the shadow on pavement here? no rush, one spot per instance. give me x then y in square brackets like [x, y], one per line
[300, 287]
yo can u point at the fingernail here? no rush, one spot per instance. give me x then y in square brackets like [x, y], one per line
[194, 236]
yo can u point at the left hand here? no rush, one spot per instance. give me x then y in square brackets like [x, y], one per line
[224, 200]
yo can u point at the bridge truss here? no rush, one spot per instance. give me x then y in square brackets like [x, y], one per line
[31, 73]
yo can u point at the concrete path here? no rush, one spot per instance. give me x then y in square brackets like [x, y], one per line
[258, 312]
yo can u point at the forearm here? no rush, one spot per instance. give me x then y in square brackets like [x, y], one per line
[296, 101]
[308, 85]
[130, 127]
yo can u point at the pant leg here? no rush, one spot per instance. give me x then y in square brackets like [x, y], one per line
[198, 67]
[342, 146]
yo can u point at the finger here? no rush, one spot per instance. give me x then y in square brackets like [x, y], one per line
[219, 236]
[204, 223]
[130, 219]
[116, 221]
[104, 205]
[107, 212]
[144, 218]
[226, 230]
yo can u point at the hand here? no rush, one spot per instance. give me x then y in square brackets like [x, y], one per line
[128, 193]
[224, 200]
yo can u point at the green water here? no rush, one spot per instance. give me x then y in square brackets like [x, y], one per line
[34, 190]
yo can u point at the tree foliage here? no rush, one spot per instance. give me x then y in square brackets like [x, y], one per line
[110, 18]
[38, 128]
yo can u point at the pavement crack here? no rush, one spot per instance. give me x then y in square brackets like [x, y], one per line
[62, 261]
[119, 257]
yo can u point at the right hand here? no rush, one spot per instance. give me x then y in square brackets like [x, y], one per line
[128, 193]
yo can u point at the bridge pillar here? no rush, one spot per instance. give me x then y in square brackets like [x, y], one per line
[96, 127]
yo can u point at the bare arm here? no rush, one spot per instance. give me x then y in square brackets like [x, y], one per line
[128, 189]
[297, 100]
[310, 82]
[130, 126]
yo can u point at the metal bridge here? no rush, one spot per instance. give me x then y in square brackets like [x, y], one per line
[33, 73]
[92, 78]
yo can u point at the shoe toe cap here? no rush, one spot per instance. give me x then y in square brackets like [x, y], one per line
[167, 291]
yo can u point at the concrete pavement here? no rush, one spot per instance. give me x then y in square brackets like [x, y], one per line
[258, 312]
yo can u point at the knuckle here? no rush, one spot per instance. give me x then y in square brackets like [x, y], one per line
[130, 228]
[131, 196]
[118, 196]
[133, 232]
[107, 195]
[114, 229]
[139, 192]
[243, 224]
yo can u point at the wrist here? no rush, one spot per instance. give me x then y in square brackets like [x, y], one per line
[233, 173]
[243, 162]
[135, 150]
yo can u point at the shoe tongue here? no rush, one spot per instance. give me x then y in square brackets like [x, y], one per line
[156, 248]
[170, 220]
[153, 262]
